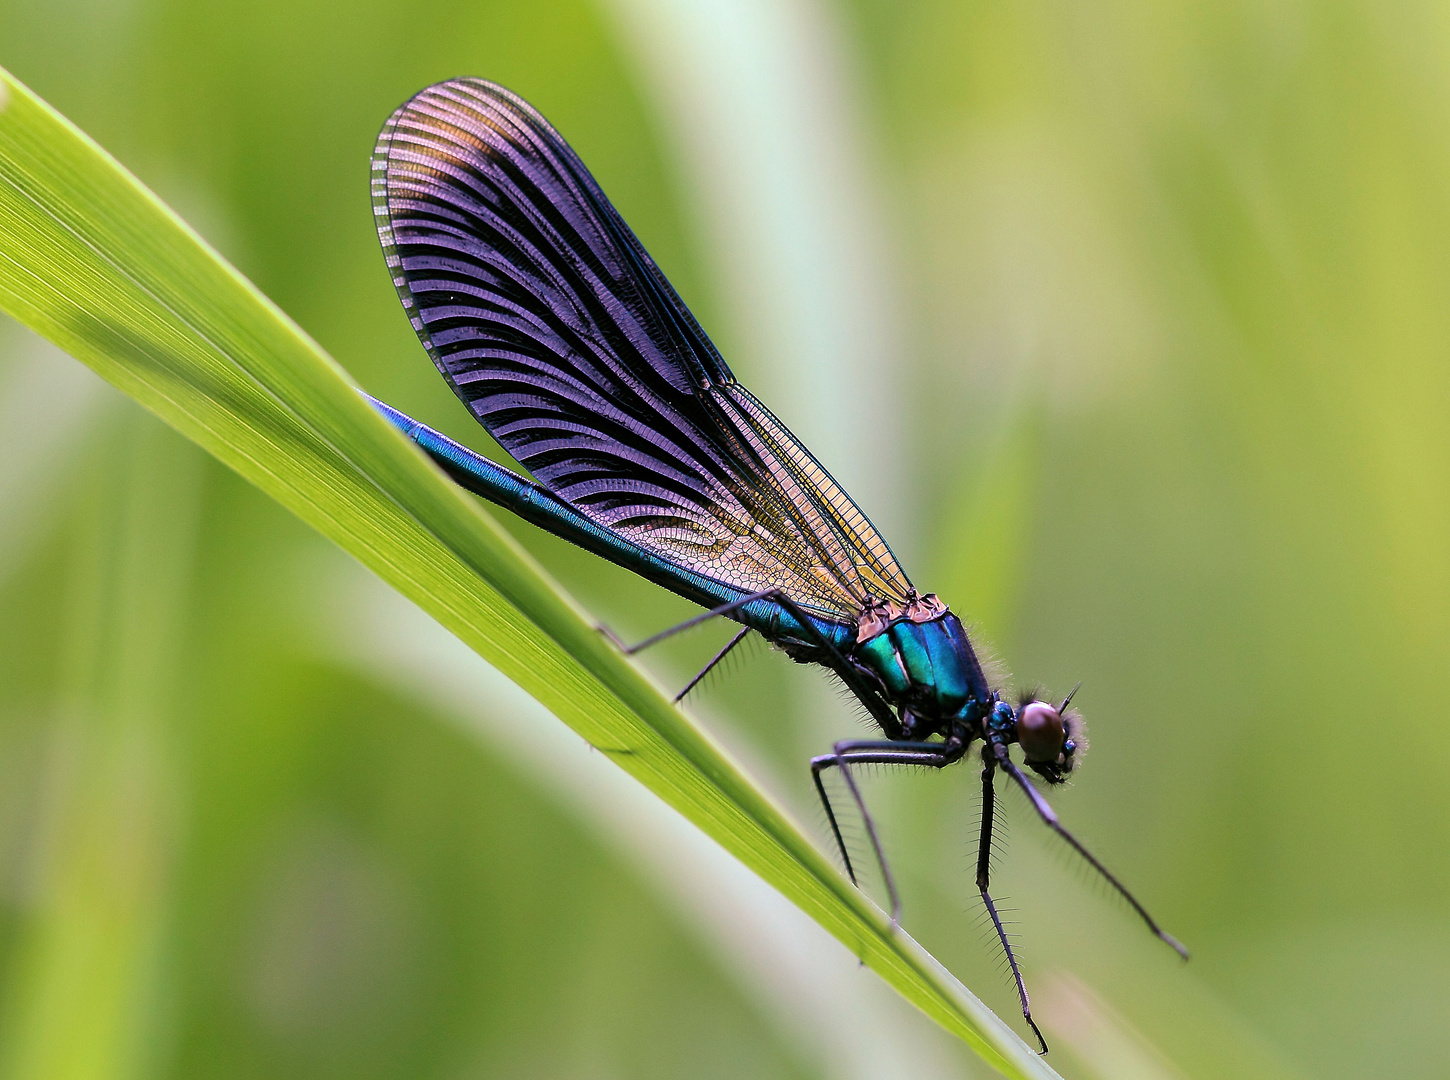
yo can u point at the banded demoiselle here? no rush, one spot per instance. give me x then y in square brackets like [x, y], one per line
[556, 329]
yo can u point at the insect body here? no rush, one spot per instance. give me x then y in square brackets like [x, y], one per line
[552, 324]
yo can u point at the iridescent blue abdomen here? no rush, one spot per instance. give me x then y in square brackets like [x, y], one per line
[928, 667]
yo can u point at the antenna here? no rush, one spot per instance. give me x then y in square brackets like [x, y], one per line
[1063, 707]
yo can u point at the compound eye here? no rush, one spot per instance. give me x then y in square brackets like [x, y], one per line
[1039, 731]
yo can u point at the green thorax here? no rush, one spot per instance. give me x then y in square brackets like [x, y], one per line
[924, 660]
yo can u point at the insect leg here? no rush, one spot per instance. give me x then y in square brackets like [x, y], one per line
[984, 854]
[736, 640]
[723, 609]
[873, 752]
[818, 765]
[1049, 816]
[879, 710]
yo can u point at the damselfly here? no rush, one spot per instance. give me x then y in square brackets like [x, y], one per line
[553, 325]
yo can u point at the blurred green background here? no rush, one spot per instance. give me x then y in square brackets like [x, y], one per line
[1127, 323]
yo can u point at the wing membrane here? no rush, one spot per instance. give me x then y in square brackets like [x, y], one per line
[551, 322]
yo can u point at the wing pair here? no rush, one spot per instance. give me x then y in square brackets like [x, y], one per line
[559, 332]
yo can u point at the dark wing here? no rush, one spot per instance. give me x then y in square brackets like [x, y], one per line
[554, 326]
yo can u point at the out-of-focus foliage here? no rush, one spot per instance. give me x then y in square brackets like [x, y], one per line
[1173, 411]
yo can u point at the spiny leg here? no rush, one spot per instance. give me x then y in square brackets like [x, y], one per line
[984, 857]
[1049, 816]
[876, 752]
[818, 765]
[736, 640]
[892, 896]
[723, 609]
[879, 710]
[872, 700]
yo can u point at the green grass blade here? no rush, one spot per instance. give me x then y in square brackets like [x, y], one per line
[92, 260]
